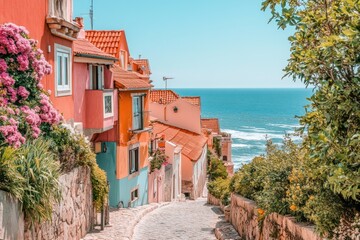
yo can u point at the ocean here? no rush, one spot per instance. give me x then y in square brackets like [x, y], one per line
[251, 115]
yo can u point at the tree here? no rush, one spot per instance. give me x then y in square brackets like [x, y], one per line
[325, 53]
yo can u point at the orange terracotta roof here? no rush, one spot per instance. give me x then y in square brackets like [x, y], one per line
[128, 80]
[192, 100]
[84, 47]
[142, 66]
[107, 41]
[211, 124]
[191, 142]
[163, 96]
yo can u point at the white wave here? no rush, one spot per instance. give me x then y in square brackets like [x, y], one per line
[286, 126]
[239, 161]
[252, 136]
[259, 130]
[240, 145]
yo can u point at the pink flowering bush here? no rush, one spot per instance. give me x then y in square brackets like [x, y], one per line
[25, 107]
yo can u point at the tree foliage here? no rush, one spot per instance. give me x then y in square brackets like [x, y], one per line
[325, 53]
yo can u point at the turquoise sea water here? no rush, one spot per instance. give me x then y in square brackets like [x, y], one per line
[252, 114]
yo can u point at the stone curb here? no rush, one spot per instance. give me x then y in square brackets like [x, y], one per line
[131, 217]
[130, 230]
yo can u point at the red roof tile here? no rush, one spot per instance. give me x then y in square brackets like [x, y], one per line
[128, 80]
[191, 142]
[163, 96]
[192, 100]
[142, 64]
[107, 41]
[211, 124]
[83, 46]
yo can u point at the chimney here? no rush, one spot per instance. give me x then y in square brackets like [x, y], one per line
[80, 22]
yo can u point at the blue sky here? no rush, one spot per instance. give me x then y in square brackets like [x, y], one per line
[201, 43]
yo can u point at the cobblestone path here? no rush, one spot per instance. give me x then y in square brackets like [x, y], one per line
[189, 220]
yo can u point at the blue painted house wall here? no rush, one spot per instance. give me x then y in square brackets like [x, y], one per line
[120, 189]
[130, 182]
[107, 162]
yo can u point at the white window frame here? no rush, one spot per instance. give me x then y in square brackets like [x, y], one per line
[132, 147]
[107, 94]
[64, 52]
[142, 99]
[131, 194]
[100, 77]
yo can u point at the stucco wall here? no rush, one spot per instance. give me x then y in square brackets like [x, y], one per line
[186, 117]
[71, 219]
[244, 217]
[201, 174]
[11, 218]
[107, 162]
[127, 184]
[156, 182]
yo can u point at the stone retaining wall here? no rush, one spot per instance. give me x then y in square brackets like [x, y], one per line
[11, 218]
[71, 218]
[213, 200]
[244, 218]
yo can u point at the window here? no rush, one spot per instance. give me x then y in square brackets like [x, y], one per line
[133, 160]
[134, 194]
[108, 104]
[137, 108]
[58, 8]
[62, 70]
[96, 75]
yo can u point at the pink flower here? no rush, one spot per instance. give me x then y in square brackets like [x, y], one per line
[23, 62]
[40, 86]
[12, 93]
[3, 65]
[6, 79]
[22, 92]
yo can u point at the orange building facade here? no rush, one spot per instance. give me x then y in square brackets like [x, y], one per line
[126, 158]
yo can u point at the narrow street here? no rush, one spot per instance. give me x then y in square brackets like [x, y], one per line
[193, 220]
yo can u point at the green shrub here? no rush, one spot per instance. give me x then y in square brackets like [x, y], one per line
[10, 179]
[217, 146]
[39, 168]
[99, 186]
[159, 158]
[74, 150]
[219, 188]
[216, 169]
[248, 181]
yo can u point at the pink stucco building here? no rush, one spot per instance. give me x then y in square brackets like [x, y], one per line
[178, 119]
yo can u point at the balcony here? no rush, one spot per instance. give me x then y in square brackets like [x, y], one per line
[101, 109]
[60, 22]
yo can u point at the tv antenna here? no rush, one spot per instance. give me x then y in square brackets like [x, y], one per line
[91, 14]
[165, 80]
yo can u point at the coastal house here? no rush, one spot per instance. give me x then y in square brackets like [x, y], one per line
[95, 99]
[191, 159]
[183, 112]
[126, 159]
[182, 115]
[50, 22]
[219, 142]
